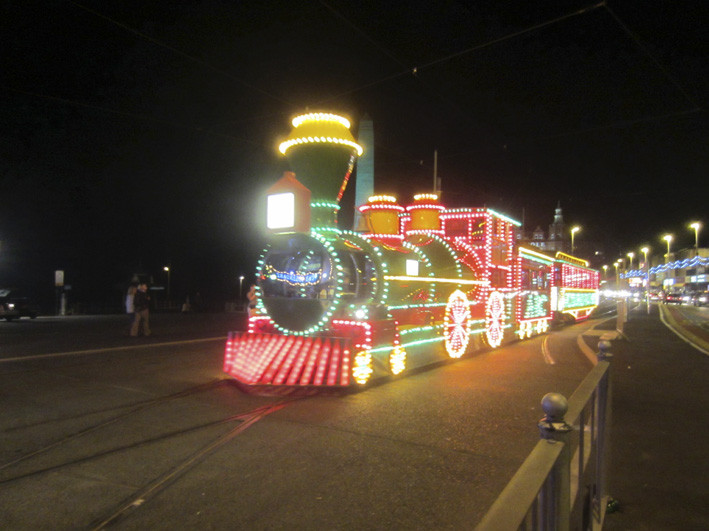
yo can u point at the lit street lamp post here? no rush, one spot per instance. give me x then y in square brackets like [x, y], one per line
[631, 256]
[574, 230]
[646, 250]
[605, 271]
[668, 239]
[167, 269]
[241, 282]
[696, 226]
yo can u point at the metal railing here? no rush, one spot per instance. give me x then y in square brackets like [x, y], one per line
[562, 484]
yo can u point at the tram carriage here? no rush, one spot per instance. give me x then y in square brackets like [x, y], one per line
[423, 283]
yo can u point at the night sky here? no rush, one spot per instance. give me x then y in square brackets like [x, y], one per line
[141, 134]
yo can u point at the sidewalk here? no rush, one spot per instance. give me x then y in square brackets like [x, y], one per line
[660, 432]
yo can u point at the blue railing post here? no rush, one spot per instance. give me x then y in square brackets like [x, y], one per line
[555, 502]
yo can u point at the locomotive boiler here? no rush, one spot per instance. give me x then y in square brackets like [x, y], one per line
[422, 283]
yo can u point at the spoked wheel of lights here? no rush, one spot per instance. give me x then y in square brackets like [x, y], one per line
[494, 319]
[457, 324]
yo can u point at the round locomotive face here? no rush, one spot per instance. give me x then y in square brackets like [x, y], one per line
[304, 281]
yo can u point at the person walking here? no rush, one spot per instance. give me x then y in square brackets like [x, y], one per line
[141, 305]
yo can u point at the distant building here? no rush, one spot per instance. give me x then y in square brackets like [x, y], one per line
[686, 269]
[557, 238]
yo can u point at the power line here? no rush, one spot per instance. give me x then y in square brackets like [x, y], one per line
[645, 50]
[416, 69]
[386, 52]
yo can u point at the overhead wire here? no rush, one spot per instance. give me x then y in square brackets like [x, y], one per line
[413, 70]
[647, 52]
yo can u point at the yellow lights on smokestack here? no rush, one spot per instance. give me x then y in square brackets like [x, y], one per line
[323, 128]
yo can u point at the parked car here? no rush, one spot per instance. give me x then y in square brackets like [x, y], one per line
[655, 296]
[14, 305]
[701, 298]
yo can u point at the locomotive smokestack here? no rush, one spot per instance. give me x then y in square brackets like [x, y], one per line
[322, 152]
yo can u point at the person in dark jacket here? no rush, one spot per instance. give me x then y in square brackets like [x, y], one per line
[141, 307]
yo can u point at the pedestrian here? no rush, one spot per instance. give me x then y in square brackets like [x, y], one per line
[130, 308]
[252, 297]
[141, 305]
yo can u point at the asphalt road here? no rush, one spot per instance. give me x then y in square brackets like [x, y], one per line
[99, 429]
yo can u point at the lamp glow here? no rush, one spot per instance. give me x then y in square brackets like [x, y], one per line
[280, 211]
[574, 230]
[668, 239]
[696, 226]
[412, 268]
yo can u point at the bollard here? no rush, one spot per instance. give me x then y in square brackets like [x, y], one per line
[603, 347]
[555, 407]
[554, 429]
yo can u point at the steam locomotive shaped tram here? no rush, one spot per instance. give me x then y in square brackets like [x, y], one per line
[422, 283]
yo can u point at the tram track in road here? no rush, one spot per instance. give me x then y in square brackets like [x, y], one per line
[132, 410]
[120, 422]
[126, 439]
[158, 484]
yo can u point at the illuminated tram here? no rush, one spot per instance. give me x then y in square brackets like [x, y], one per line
[423, 283]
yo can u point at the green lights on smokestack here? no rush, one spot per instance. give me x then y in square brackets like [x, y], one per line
[322, 151]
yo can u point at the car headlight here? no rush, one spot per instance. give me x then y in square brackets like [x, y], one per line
[10, 305]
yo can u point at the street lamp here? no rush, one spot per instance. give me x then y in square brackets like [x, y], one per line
[605, 271]
[167, 269]
[574, 230]
[696, 226]
[241, 281]
[668, 239]
[631, 256]
[646, 250]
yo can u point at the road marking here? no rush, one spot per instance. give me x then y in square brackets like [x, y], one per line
[545, 351]
[670, 322]
[110, 349]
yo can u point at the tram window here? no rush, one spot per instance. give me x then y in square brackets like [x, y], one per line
[534, 278]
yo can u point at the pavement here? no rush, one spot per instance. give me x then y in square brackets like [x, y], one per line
[659, 471]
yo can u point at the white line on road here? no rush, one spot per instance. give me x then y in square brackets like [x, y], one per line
[674, 327]
[110, 349]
